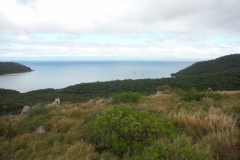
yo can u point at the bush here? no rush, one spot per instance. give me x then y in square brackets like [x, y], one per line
[122, 130]
[35, 118]
[7, 129]
[193, 95]
[38, 111]
[216, 96]
[164, 88]
[179, 148]
[126, 97]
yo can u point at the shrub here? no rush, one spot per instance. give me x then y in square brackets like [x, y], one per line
[179, 148]
[7, 129]
[38, 111]
[193, 95]
[215, 96]
[164, 88]
[30, 125]
[126, 97]
[122, 130]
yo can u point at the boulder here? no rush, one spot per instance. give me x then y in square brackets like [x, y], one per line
[25, 110]
[54, 103]
[57, 100]
[90, 101]
[40, 130]
[100, 101]
[209, 90]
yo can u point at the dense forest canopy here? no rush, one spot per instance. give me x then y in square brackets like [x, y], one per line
[229, 63]
[12, 67]
[220, 74]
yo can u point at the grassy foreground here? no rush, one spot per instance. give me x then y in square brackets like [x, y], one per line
[204, 129]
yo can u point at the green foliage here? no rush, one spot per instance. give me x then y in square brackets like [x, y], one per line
[126, 97]
[225, 63]
[193, 95]
[30, 125]
[219, 74]
[179, 148]
[164, 88]
[122, 130]
[7, 129]
[11, 67]
[38, 111]
[35, 118]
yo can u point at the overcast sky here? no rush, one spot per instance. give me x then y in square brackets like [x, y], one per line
[119, 29]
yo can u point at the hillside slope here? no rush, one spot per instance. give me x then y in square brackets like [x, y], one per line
[175, 129]
[229, 63]
[12, 67]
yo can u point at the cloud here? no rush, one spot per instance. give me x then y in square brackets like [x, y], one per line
[119, 16]
[153, 29]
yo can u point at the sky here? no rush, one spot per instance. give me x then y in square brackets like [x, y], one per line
[172, 30]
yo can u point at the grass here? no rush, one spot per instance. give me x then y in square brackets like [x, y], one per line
[207, 129]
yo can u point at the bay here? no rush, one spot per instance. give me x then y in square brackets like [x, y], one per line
[58, 74]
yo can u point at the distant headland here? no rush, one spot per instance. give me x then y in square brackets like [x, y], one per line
[12, 67]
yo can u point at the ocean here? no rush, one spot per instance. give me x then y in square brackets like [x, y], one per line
[58, 75]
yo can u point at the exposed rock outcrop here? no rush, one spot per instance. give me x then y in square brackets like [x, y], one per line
[99, 101]
[54, 103]
[25, 110]
[40, 130]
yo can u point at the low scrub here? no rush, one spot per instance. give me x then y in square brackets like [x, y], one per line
[126, 97]
[178, 148]
[194, 95]
[7, 129]
[121, 130]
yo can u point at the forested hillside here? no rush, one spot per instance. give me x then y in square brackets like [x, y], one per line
[12, 67]
[228, 78]
[229, 63]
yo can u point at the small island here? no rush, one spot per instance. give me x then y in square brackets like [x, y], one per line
[12, 67]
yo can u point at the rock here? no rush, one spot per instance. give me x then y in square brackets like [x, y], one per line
[159, 92]
[90, 101]
[57, 100]
[100, 101]
[63, 110]
[25, 110]
[54, 103]
[40, 130]
[209, 90]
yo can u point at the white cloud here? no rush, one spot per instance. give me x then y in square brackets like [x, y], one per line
[153, 29]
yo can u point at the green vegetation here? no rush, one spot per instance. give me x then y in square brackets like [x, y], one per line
[183, 121]
[229, 63]
[181, 147]
[161, 126]
[11, 67]
[126, 97]
[219, 74]
[122, 130]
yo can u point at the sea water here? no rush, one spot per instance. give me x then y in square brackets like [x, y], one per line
[58, 75]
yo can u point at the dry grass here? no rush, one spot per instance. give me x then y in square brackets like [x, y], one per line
[228, 92]
[213, 128]
[212, 121]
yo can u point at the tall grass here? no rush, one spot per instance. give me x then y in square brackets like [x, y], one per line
[212, 129]
[212, 121]
[206, 129]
